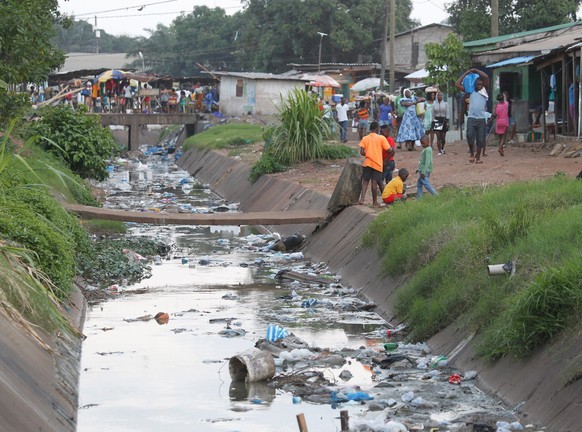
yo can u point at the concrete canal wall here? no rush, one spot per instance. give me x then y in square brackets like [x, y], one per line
[39, 387]
[544, 388]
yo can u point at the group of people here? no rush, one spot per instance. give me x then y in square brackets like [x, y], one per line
[423, 119]
[123, 95]
[378, 150]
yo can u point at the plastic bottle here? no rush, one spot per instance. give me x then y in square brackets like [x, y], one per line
[390, 346]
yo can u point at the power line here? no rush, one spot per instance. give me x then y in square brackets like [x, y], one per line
[139, 7]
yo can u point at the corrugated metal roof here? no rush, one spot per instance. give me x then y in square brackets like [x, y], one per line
[494, 40]
[512, 61]
[259, 76]
[82, 61]
[543, 46]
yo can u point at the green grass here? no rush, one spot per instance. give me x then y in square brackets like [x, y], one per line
[444, 244]
[227, 135]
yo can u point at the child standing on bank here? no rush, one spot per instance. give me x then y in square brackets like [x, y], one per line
[424, 168]
[502, 121]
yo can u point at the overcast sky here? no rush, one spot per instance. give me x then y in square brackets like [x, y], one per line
[119, 17]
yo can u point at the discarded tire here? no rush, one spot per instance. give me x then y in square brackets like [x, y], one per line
[252, 365]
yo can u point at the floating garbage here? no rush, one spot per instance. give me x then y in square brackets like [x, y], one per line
[162, 318]
[274, 333]
[309, 303]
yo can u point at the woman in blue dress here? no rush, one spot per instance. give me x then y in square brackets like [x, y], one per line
[411, 128]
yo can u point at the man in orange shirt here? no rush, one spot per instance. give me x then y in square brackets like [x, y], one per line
[371, 147]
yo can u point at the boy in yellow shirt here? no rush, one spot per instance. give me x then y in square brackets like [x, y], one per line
[394, 190]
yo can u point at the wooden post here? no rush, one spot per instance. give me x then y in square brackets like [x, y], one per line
[345, 421]
[301, 422]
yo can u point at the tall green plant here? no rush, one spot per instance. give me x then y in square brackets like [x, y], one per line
[302, 131]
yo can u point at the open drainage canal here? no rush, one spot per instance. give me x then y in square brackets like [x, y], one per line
[220, 289]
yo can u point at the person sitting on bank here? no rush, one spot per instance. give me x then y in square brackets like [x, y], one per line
[394, 190]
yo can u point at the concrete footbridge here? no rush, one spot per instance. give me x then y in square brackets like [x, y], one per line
[135, 120]
[236, 219]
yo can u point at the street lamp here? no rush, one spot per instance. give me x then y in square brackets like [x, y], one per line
[142, 61]
[320, 41]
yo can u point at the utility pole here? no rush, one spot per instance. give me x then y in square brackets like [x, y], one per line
[383, 45]
[392, 31]
[97, 36]
[320, 41]
[494, 18]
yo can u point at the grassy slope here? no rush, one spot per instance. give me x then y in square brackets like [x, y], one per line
[225, 135]
[445, 243]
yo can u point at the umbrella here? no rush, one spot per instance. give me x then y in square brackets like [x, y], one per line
[111, 74]
[320, 81]
[366, 84]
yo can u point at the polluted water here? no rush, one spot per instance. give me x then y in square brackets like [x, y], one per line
[161, 355]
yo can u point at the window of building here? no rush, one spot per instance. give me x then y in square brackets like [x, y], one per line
[239, 88]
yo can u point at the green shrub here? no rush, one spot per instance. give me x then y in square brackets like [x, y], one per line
[12, 105]
[267, 164]
[334, 151]
[77, 138]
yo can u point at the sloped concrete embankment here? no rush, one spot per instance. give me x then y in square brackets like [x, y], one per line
[545, 387]
[38, 387]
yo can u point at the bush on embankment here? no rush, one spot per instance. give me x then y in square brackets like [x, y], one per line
[40, 241]
[444, 244]
[299, 135]
[77, 138]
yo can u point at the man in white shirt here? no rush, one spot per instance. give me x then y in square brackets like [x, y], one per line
[342, 118]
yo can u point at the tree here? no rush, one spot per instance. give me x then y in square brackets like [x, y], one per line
[80, 37]
[472, 18]
[26, 31]
[278, 32]
[446, 62]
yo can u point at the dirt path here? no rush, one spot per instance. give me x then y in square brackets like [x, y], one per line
[521, 162]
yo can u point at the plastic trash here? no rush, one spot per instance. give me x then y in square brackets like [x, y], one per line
[469, 375]
[337, 397]
[391, 346]
[407, 397]
[455, 379]
[296, 400]
[439, 361]
[274, 333]
[398, 328]
[309, 303]
[184, 260]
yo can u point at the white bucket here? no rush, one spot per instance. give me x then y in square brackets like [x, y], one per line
[251, 366]
[496, 269]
